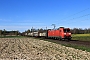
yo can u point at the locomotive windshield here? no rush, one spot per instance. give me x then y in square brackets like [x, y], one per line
[66, 30]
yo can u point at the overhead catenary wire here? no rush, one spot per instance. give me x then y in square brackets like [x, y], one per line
[71, 18]
[80, 16]
[76, 13]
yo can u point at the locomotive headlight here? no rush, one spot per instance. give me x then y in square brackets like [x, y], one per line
[64, 33]
[69, 33]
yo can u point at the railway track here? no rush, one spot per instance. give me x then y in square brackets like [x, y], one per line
[71, 42]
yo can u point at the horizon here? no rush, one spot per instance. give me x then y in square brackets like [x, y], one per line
[44, 29]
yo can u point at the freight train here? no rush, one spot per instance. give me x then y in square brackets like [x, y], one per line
[60, 33]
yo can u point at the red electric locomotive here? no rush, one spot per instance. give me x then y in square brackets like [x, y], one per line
[61, 33]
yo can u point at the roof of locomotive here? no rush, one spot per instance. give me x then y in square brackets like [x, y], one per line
[59, 28]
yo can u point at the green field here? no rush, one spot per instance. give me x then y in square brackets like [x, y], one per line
[83, 37]
[77, 47]
[12, 37]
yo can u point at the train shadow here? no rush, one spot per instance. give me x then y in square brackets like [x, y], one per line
[74, 40]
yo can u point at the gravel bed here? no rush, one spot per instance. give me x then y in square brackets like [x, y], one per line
[35, 49]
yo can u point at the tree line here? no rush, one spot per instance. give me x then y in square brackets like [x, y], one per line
[73, 31]
[10, 33]
[80, 31]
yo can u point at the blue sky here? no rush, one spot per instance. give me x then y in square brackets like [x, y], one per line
[25, 14]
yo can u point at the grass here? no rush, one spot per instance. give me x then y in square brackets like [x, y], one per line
[83, 37]
[84, 48]
[81, 34]
[11, 36]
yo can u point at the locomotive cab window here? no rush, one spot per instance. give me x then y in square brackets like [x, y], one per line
[66, 30]
[60, 30]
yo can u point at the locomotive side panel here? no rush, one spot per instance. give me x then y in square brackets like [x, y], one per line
[56, 33]
[50, 33]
